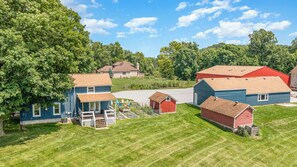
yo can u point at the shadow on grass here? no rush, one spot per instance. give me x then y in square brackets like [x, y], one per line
[15, 136]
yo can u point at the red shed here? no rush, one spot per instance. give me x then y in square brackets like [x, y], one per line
[227, 113]
[162, 103]
[221, 71]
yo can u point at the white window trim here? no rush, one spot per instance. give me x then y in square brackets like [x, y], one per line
[91, 87]
[95, 106]
[55, 108]
[168, 98]
[33, 109]
[266, 99]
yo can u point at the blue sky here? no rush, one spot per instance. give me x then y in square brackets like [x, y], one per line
[148, 25]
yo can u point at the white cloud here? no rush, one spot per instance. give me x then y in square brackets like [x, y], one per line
[95, 4]
[236, 42]
[202, 2]
[236, 1]
[244, 8]
[217, 14]
[236, 29]
[142, 24]
[115, 1]
[121, 34]
[81, 9]
[293, 34]
[67, 2]
[186, 20]
[98, 26]
[153, 35]
[181, 6]
[278, 25]
[249, 15]
[200, 35]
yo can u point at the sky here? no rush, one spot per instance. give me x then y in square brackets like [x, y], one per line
[148, 25]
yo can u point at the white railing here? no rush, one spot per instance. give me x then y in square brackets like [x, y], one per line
[87, 116]
[110, 116]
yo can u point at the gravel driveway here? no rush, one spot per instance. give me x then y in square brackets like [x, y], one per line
[141, 96]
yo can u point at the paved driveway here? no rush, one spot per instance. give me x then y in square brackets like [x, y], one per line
[141, 96]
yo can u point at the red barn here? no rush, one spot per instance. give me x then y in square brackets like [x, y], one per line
[222, 71]
[227, 113]
[162, 103]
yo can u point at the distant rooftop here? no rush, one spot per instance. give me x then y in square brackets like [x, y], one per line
[230, 70]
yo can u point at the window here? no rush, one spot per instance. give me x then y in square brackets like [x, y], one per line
[124, 73]
[168, 98]
[57, 109]
[36, 110]
[263, 97]
[91, 89]
[94, 106]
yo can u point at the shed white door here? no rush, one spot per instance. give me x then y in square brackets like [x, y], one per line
[195, 98]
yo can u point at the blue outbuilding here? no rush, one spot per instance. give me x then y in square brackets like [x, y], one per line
[253, 91]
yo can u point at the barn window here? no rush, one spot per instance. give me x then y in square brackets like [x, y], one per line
[168, 98]
[91, 89]
[36, 110]
[263, 97]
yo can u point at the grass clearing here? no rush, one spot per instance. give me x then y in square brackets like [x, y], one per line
[120, 84]
[181, 139]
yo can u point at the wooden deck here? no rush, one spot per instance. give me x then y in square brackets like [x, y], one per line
[99, 116]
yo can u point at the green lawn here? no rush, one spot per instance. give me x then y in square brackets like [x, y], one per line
[119, 84]
[181, 139]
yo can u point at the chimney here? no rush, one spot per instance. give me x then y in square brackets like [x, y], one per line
[137, 66]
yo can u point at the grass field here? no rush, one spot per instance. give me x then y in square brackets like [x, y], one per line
[119, 84]
[181, 139]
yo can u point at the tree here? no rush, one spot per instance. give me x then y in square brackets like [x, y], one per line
[42, 42]
[262, 45]
[293, 46]
[185, 64]
[165, 66]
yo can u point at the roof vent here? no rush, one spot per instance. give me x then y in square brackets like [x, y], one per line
[246, 79]
[211, 78]
[264, 78]
[236, 103]
[216, 98]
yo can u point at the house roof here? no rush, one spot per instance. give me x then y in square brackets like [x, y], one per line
[122, 62]
[96, 97]
[230, 70]
[124, 67]
[159, 97]
[258, 85]
[82, 80]
[104, 69]
[294, 71]
[224, 107]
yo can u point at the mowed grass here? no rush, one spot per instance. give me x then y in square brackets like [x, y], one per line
[181, 139]
[120, 84]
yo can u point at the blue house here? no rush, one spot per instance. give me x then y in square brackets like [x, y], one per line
[253, 91]
[89, 101]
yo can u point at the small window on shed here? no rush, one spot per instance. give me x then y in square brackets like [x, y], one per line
[168, 98]
[91, 89]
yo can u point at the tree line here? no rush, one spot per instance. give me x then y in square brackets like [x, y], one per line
[183, 59]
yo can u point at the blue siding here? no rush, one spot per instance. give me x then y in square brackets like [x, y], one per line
[71, 104]
[234, 95]
[45, 114]
[102, 89]
[274, 98]
[203, 91]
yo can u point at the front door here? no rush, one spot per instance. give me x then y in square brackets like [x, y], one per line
[95, 106]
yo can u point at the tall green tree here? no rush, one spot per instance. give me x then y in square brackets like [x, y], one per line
[293, 46]
[185, 64]
[165, 66]
[262, 45]
[41, 43]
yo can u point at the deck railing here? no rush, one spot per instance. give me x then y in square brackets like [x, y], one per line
[85, 116]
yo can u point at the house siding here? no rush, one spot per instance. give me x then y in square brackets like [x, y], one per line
[217, 118]
[293, 84]
[234, 95]
[203, 91]
[245, 118]
[274, 98]
[168, 106]
[46, 113]
[71, 104]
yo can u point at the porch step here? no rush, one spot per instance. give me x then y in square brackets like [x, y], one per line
[100, 123]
